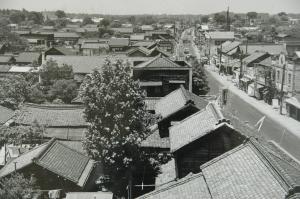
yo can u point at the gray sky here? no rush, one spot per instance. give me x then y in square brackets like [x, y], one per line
[155, 6]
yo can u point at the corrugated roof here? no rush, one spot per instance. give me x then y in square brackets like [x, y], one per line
[167, 173]
[123, 30]
[195, 127]
[5, 58]
[94, 46]
[141, 49]
[137, 37]
[230, 46]
[143, 43]
[52, 115]
[89, 195]
[150, 102]
[65, 35]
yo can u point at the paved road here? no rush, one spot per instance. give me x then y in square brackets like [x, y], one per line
[271, 130]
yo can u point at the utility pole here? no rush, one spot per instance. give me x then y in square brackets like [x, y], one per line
[283, 64]
[241, 68]
[220, 62]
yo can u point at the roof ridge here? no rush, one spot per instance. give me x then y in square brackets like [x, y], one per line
[54, 106]
[176, 183]
[273, 164]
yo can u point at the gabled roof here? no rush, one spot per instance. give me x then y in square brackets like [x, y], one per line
[230, 46]
[56, 158]
[221, 35]
[272, 49]
[155, 141]
[123, 30]
[66, 35]
[254, 57]
[196, 126]
[244, 172]
[247, 171]
[118, 42]
[141, 49]
[188, 187]
[27, 57]
[160, 62]
[156, 50]
[176, 100]
[63, 50]
[5, 59]
[52, 115]
[5, 114]
[94, 46]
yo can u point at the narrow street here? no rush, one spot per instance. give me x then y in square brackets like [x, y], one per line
[248, 113]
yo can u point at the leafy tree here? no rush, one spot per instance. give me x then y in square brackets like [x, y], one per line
[200, 83]
[87, 20]
[36, 17]
[61, 23]
[66, 90]
[219, 18]
[105, 23]
[50, 72]
[36, 94]
[14, 41]
[60, 14]
[49, 23]
[17, 17]
[252, 15]
[18, 135]
[14, 90]
[16, 187]
[204, 19]
[115, 110]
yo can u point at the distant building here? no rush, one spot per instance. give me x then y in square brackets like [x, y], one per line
[118, 44]
[160, 75]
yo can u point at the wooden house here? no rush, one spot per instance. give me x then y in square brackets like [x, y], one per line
[56, 166]
[118, 44]
[160, 75]
[27, 58]
[250, 170]
[200, 138]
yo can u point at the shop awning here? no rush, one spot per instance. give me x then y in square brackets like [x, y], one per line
[151, 83]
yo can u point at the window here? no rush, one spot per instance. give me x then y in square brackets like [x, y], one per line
[289, 78]
[278, 76]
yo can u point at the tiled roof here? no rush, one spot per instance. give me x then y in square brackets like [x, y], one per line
[118, 42]
[144, 43]
[64, 161]
[89, 195]
[123, 30]
[141, 49]
[167, 173]
[230, 46]
[160, 62]
[65, 35]
[137, 37]
[52, 115]
[94, 46]
[221, 35]
[5, 114]
[176, 100]
[57, 158]
[150, 102]
[155, 141]
[242, 173]
[80, 64]
[254, 56]
[86, 64]
[195, 127]
[273, 49]
[4, 68]
[27, 57]
[24, 160]
[190, 187]
[5, 58]
[65, 51]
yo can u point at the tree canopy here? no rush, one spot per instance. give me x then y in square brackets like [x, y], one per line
[87, 20]
[115, 110]
[60, 14]
[200, 83]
